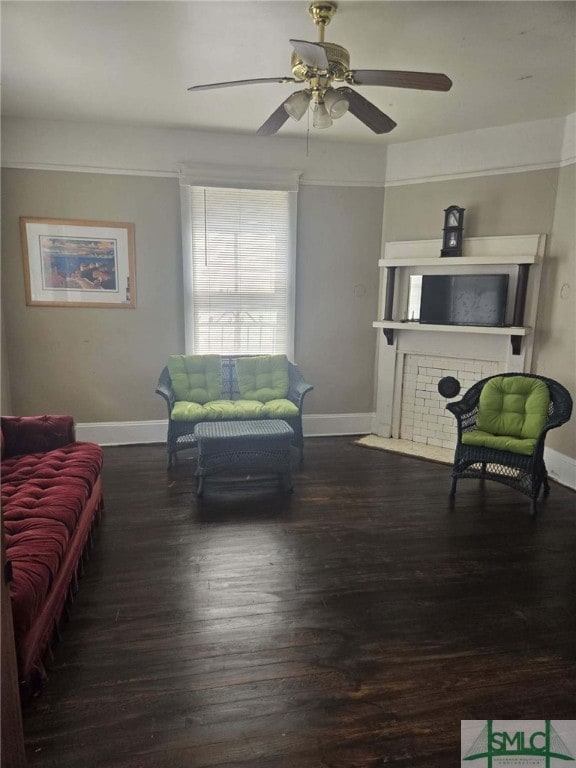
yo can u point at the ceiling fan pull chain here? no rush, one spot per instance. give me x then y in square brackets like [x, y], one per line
[205, 233]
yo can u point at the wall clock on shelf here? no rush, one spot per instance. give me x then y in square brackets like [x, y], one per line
[453, 231]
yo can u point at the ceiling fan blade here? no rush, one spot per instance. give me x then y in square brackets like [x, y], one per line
[425, 81]
[274, 122]
[243, 82]
[312, 54]
[368, 113]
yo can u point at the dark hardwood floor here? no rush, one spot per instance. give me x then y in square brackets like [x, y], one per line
[350, 625]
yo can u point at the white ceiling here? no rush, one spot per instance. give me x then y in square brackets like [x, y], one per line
[131, 62]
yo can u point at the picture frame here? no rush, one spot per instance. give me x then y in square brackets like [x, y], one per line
[78, 263]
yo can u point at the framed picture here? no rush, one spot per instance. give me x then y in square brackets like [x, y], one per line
[71, 263]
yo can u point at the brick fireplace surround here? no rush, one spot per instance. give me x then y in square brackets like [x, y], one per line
[423, 416]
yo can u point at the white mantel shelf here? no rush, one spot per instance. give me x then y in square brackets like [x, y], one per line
[495, 330]
[515, 333]
[477, 251]
[452, 261]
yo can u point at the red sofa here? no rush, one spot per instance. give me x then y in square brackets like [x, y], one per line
[51, 497]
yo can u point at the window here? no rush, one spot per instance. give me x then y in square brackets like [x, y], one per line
[239, 254]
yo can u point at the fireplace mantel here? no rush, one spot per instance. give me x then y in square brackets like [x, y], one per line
[423, 256]
[519, 256]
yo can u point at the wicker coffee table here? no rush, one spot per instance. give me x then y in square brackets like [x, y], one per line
[257, 446]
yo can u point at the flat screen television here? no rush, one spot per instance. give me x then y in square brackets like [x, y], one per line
[464, 299]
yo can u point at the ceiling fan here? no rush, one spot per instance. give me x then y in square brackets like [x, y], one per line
[318, 66]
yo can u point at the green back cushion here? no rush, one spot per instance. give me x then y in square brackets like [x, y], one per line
[516, 406]
[196, 378]
[262, 377]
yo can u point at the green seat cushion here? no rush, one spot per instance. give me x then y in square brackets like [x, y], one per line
[249, 409]
[481, 439]
[186, 411]
[220, 410]
[280, 409]
[262, 377]
[233, 410]
[196, 378]
[513, 406]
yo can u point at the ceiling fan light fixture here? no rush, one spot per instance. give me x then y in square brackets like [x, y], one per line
[336, 103]
[297, 104]
[321, 117]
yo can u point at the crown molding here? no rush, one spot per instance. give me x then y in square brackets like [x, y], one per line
[91, 169]
[475, 174]
[165, 153]
[152, 151]
[518, 148]
[310, 182]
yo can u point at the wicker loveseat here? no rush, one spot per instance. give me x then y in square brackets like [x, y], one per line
[200, 388]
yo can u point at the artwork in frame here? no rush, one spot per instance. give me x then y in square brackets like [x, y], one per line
[69, 263]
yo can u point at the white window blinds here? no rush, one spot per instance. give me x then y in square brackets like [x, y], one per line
[239, 270]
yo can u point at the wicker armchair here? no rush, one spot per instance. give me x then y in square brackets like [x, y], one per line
[525, 473]
[181, 433]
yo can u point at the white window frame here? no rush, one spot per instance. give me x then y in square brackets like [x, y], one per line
[237, 178]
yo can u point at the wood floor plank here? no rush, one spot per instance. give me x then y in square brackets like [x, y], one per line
[352, 624]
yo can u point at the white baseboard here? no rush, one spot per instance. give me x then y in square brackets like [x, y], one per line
[123, 432]
[138, 432]
[327, 424]
[560, 467]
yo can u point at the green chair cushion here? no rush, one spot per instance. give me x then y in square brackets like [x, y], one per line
[481, 439]
[513, 406]
[196, 378]
[262, 377]
[280, 409]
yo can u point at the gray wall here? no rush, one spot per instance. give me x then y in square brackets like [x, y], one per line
[556, 338]
[96, 364]
[101, 365]
[339, 239]
[510, 204]
[5, 378]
